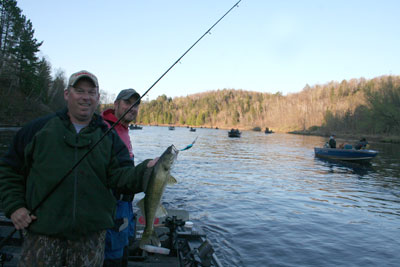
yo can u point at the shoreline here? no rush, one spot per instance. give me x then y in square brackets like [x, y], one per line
[392, 139]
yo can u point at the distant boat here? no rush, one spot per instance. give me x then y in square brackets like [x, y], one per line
[192, 129]
[171, 128]
[135, 127]
[234, 133]
[353, 155]
[268, 131]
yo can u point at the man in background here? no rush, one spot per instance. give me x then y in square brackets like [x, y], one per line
[119, 237]
[332, 141]
[362, 144]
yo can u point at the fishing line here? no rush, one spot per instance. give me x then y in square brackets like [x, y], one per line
[113, 126]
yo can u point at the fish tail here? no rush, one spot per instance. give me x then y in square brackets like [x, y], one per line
[150, 238]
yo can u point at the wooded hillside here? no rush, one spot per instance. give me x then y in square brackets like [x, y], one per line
[355, 106]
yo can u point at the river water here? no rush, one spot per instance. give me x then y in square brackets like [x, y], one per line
[265, 200]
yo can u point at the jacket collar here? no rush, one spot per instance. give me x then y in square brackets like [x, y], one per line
[109, 116]
[96, 120]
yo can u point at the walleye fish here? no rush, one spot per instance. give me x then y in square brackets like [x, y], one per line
[150, 204]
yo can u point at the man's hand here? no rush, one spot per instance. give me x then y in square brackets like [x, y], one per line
[21, 218]
[152, 162]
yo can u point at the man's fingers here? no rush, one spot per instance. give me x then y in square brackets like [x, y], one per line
[152, 162]
[23, 222]
[21, 218]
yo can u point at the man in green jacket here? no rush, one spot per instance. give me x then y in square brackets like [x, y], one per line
[69, 227]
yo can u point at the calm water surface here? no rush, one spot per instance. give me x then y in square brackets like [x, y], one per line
[264, 200]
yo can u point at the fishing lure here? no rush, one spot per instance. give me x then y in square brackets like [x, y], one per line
[189, 146]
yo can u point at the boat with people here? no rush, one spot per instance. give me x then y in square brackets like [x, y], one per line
[234, 133]
[182, 243]
[135, 127]
[268, 131]
[192, 129]
[343, 154]
[171, 128]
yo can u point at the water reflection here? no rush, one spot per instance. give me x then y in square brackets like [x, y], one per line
[344, 166]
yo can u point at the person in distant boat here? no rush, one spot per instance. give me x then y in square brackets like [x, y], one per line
[362, 144]
[69, 227]
[121, 235]
[332, 141]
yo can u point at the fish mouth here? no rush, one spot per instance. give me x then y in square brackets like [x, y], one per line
[174, 150]
[171, 150]
[171, 153]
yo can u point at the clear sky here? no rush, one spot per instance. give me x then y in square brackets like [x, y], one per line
[265, 46]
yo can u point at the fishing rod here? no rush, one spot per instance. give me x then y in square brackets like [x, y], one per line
[116, 123]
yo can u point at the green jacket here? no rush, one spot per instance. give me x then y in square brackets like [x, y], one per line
[43, 152]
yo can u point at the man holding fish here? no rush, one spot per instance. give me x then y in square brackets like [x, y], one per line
[65, 219]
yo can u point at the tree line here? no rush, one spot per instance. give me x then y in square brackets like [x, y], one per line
[354, 106]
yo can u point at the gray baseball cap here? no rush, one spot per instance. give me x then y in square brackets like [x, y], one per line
[127, 93]
[81, 74]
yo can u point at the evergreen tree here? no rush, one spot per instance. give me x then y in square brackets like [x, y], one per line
[44, 80]
[20, 66]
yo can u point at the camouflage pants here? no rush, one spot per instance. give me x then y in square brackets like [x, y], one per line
[41, 250]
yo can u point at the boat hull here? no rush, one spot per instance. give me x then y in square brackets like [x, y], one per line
[345, 154]
[234, 134]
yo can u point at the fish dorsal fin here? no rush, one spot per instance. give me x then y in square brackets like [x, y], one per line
[171, 180]
[161, 211]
